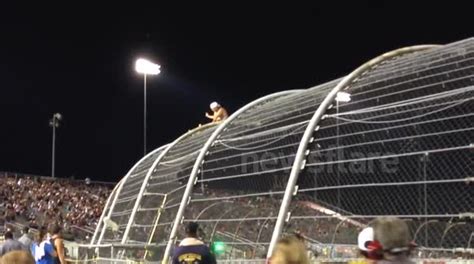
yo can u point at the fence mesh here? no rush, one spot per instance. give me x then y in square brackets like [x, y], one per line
[402, 146]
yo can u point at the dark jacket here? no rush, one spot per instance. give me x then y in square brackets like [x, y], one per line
[193, 251]
[397, 260]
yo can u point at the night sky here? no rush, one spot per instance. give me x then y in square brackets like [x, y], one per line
[79, 61]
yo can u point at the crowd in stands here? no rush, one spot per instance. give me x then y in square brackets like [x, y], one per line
[39, 201]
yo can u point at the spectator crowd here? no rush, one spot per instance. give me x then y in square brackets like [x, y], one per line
[38, 202]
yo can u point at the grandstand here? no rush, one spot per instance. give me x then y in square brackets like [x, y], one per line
[38, 201]
[302, 161]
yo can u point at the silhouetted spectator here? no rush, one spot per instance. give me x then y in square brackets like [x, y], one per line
[10, 244]
[192, 250]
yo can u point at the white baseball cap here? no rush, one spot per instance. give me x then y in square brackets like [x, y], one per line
[214, 105]
[366, 235]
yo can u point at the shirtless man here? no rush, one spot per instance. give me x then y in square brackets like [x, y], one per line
[219, 113]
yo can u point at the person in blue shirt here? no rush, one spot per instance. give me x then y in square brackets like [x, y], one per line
[42, 250]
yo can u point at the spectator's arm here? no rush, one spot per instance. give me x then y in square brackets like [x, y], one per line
[60, 247]
[209, 116]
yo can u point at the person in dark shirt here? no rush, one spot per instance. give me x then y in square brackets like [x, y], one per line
[191, 250]
[10, 244]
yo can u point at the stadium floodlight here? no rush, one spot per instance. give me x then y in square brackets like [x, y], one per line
[54, 123]
[146, 67]
[343, 97]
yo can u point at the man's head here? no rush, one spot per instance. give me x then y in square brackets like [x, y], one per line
[215, 106]
[25, 230]
[192, 229]
[8, 235]
[17, 257]
[54, 229]
[387, 236]
[392, 233]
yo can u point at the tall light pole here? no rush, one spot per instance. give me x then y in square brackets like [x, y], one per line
[54, 123]
[145, 67]
[344, 98]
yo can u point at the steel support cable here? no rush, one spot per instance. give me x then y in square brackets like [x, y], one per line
[243, 175]
[168, 181]
[265, 144]
[180, 158]
[322, 139]
[358, 101]
[222, 148]
[407, 118]
[237, 196]
[424, 58]
[396, 139]
[360, 121]
[391, 156]
[363, 82]
[374, 216]
[274, 159]
[385, 115]
[389, 75]
[263, 133]
[259, 125]
[308, 99]
[232, 219]
[170, 173]
[269, 107]
[268, 110]
[262, 127]
[280, 121]
[382, 184]
[412, 101]
[253, 152]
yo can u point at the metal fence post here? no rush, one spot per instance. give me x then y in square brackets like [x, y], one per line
[298, 163]
[200, 159]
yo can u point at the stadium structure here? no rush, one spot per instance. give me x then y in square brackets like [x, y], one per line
[392, 138]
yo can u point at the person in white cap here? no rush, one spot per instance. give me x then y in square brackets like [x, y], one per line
[386, 240]
[219, 113]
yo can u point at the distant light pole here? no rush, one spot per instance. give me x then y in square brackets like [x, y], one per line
[54, 123]
[145, 67]
[340, 97]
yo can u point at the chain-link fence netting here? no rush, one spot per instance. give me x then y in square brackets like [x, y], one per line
[244, 174]
[165, 188]
[401, 146]
[397, 143]
[118, 212]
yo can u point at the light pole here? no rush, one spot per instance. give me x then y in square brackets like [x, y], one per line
[340, 97]
[54, 123]
[145, 67]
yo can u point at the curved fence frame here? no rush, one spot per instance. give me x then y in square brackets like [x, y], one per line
[117, 192]
[297, 166]
[200, 159]
[299, 161]
[147, 177]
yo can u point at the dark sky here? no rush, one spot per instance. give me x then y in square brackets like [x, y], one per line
[79, 61]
